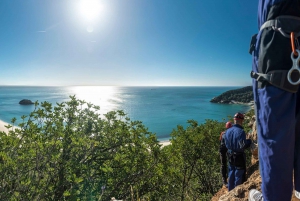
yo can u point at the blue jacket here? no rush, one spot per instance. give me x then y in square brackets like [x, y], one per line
[235, 139]
[270, 9]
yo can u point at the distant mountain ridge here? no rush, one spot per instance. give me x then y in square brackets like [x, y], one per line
[237, 96]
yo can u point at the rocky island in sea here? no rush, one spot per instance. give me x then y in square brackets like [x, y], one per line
[237, 96]
[26, 102]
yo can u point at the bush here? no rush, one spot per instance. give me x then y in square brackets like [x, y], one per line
[70, 152]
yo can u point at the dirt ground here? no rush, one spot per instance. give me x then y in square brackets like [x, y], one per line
[240, 193]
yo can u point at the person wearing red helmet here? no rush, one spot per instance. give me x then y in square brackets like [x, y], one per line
[223, 157]
[228, 124]
[236, 142]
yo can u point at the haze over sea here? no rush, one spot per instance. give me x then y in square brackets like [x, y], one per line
[160, 109]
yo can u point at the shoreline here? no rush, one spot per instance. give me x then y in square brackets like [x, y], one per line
[165, 143]
[2, 126]
[4, 129]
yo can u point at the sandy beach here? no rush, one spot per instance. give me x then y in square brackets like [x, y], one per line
[2, 126]
[164, 143]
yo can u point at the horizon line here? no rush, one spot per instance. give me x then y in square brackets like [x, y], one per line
[124, 85]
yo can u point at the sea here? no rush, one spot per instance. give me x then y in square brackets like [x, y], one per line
[160, 109]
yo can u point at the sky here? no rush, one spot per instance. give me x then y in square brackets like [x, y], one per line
[126, 42]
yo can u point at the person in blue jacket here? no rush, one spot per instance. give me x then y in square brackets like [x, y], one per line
[277, 98]
[236, 143]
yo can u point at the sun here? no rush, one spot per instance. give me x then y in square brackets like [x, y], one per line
[90, 9]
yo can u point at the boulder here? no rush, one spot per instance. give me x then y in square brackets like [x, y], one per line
[26, 102]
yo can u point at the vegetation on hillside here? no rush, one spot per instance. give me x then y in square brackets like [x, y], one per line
[242, 95]
[70, 152]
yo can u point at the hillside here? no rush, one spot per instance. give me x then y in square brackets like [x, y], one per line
[243, 95]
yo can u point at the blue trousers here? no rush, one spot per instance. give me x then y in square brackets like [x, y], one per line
[278, 129]
[235, 177]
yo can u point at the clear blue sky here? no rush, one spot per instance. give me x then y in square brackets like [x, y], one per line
[126, 42]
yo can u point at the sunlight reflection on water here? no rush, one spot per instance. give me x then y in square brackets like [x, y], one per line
[160, 109]
[105, 96]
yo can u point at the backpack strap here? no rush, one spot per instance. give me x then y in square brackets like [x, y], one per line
[284, 23]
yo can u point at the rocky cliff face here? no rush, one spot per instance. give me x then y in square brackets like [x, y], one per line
[240, 193]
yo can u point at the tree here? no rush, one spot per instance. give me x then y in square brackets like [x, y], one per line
[194, 151]
[71, 152]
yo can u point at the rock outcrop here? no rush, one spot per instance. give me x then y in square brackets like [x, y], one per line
[241, 192]
[26, 102]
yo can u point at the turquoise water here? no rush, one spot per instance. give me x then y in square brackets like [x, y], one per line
[160, 109]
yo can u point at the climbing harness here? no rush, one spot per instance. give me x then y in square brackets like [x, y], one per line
[283, 79]
[236, 158]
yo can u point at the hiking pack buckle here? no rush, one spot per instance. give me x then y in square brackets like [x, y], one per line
[277, 78]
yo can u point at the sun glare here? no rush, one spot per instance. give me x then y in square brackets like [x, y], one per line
[104, 96]
[90, 9]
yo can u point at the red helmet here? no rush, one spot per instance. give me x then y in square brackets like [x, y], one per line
[228, 124]
[239, 116]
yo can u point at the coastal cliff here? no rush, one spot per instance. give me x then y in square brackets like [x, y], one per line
[237, 96]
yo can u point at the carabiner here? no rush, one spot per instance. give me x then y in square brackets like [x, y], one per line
[293, 44]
